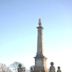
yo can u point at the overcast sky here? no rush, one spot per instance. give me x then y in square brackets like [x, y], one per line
[18, 33]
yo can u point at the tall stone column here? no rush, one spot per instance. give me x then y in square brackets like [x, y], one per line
[39, 39]
[40, 59]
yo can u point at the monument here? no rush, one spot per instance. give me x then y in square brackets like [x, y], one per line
[40, 59]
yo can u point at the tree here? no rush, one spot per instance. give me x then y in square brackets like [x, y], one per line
[14, 66]
[4, 68]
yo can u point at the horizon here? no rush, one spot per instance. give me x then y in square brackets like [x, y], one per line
[18, 33]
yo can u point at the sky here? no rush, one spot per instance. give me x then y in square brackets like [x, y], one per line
[18, 33]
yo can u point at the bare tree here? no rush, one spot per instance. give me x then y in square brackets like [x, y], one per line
[4, 68]
[14, 66]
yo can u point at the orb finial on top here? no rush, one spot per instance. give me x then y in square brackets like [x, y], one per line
[52, 63]
[58, 67]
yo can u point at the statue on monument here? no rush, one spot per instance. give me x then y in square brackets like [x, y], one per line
[52, 68]
[58, 69]
[32, 69]
[20, 68]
